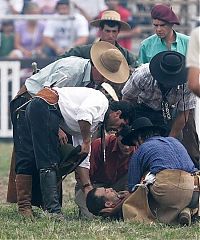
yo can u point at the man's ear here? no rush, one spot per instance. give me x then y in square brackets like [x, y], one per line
[109, 204]
[118, 113]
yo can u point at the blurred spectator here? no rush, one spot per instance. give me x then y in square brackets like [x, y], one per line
[29, 35]
[193, 61]
[6, 38]
[46, 6]
[61, 35]
[11, 6]
[125, 37]
[84, 7]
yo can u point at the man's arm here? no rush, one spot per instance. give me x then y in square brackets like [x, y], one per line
[194, 80]
[83, 174]
[86, 135]
[179, 123]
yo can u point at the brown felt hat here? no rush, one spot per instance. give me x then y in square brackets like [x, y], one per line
[111, 16]
[110, 62]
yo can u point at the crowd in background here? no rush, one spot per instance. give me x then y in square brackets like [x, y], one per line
[33, 38]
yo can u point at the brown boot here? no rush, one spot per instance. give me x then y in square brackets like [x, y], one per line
[24, 192]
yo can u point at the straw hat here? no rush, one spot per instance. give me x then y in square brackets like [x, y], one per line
[111, 16]
[110, 62]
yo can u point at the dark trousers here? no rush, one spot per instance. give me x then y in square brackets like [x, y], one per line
[26, 166]
[191, 140]
[20, 136]
[43, 124]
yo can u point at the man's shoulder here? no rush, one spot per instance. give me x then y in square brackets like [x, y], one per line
[149, 39]
[183, 36]
[79, 51]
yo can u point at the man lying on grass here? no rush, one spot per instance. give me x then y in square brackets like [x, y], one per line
[173, 183]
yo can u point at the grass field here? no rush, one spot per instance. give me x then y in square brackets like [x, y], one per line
[12, 226]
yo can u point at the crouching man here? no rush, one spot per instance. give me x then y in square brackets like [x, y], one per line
[173, 185]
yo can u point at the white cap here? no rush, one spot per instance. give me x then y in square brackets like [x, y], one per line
[110, 90]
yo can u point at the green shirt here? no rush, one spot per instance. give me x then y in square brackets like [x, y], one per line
[84, 52]
[6, 45]
[153, 45]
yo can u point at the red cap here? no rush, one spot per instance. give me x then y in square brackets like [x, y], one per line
[164, 13]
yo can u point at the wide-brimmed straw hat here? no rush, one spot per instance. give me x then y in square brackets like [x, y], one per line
[111, 16]
[168, 68]
[139, 125]
[110, 62]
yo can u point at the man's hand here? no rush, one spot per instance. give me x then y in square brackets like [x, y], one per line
[85, 147]
[62, 137]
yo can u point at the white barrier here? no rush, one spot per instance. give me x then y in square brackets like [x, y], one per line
[9, 85]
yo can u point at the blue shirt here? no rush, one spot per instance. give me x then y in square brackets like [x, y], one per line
[154, 44]
[156, 154]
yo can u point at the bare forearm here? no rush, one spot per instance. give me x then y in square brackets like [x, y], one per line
[83, 174]
[179, 123]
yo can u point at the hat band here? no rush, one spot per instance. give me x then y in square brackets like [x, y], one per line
[170, 72]
[114, 68]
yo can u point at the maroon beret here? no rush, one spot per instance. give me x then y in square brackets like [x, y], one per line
[164, 13]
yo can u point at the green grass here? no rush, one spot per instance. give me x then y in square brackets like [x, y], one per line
[12, 226]
[5, 156]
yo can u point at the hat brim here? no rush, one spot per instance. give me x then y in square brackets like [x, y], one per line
[128, 139]
[96, 51]
[167, 80]
[123, 25]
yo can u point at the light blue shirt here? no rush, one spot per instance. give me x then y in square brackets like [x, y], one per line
[154, 44]
[65, 72]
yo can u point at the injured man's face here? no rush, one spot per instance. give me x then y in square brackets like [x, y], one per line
[112, 198]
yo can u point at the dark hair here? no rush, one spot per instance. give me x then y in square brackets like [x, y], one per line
[110, 23]
[146, 133]
[127, 109]
[95, 203]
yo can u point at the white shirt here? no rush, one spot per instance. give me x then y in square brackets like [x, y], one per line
[81, 103]
[65, 72]
[193, 53]
[66, 32]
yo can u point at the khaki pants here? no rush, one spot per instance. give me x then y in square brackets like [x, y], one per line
[172, 192]
[120, 185]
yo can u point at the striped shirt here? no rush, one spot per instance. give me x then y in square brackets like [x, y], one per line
[142, 88]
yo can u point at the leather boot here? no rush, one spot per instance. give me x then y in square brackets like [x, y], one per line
[24, 192]
[48, 183]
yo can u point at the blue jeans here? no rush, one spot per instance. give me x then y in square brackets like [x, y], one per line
[43, 124]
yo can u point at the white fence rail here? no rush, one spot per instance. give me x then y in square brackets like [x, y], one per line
[9, 85]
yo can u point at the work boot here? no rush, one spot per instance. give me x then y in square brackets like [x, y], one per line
[48, 183]
[24, 192]
[185, 217]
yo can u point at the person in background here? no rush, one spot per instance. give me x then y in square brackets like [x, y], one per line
[193, 61]
[125, 37]
[164, 39]
[61, 35]
[46, 6]
[29, 35]
[6, 38]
